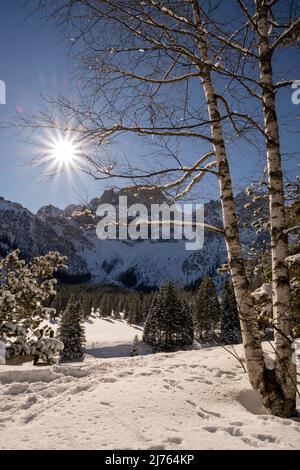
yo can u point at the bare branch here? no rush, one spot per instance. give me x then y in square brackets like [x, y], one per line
[287, 34]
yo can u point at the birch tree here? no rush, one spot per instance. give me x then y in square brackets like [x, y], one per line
[158, 76]
[281, 294]
[270, 30]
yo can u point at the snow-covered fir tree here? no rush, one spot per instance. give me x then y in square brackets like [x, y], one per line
[134, 311]
[131, 310]
[146, 305]
[86, 304]
[206, 311]
[169, 324]
[174, 317]
[106, 306]
[152, 330]
[186, 336]
[230, 325]
[24, 289]
[71, 331]
[135, 350]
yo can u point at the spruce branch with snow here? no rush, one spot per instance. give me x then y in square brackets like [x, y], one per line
[23, 317]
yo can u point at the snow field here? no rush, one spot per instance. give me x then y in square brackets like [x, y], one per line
[198, 399]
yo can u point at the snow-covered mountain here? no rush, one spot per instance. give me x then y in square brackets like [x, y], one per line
[72, 232]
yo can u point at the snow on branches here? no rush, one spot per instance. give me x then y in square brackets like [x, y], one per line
[23, 317]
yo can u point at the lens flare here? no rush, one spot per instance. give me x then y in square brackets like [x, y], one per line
[64, 151]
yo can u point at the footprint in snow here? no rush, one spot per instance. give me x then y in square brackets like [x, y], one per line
[265, 437]
[196, 378]
[156, 447]
[16, 389]
[191, 403]
[286, 422]
[254, 440]
[171, 382]
[80, 388]
[109, 379]
[228, 374]
[174, 440]
[29, 402]
[235, 432]
[211, 429]
[206, 414]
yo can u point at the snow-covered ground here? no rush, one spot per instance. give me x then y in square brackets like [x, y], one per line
[111, 338]
[108, 338]
[198, 399]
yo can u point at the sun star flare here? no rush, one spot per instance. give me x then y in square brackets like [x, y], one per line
[64, 151]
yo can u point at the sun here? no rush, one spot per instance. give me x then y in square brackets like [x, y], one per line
[60, 152]
[64, 151]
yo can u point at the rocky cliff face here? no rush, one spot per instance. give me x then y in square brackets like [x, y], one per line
[133, 263]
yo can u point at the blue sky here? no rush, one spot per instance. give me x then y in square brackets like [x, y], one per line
[33, 61]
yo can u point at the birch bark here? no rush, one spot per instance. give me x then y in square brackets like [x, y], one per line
[270, 385]
[281, 296]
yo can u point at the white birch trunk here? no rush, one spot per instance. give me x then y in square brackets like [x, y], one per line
[281, 295]
[263, 380]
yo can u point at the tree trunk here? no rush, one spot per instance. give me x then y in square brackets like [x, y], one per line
[281, 295]
[263, 380]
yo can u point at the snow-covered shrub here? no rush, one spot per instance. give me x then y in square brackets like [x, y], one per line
[24, 326]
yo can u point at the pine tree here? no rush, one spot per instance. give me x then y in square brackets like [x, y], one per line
[130, 310]
[146, 305]
[206, 311]
[59, 301]
[106, 307]
[86, 303]
[138, 311]
[134, 310]
[152, 331]
[172, 317]
[169, 324]
[230, 325]
[24, 289]
[97, 302]
[116, 314]
[71, 331]
[135, 347]
[187, 330]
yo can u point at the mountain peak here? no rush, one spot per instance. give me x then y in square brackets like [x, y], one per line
[49, 212]
[72, 232]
